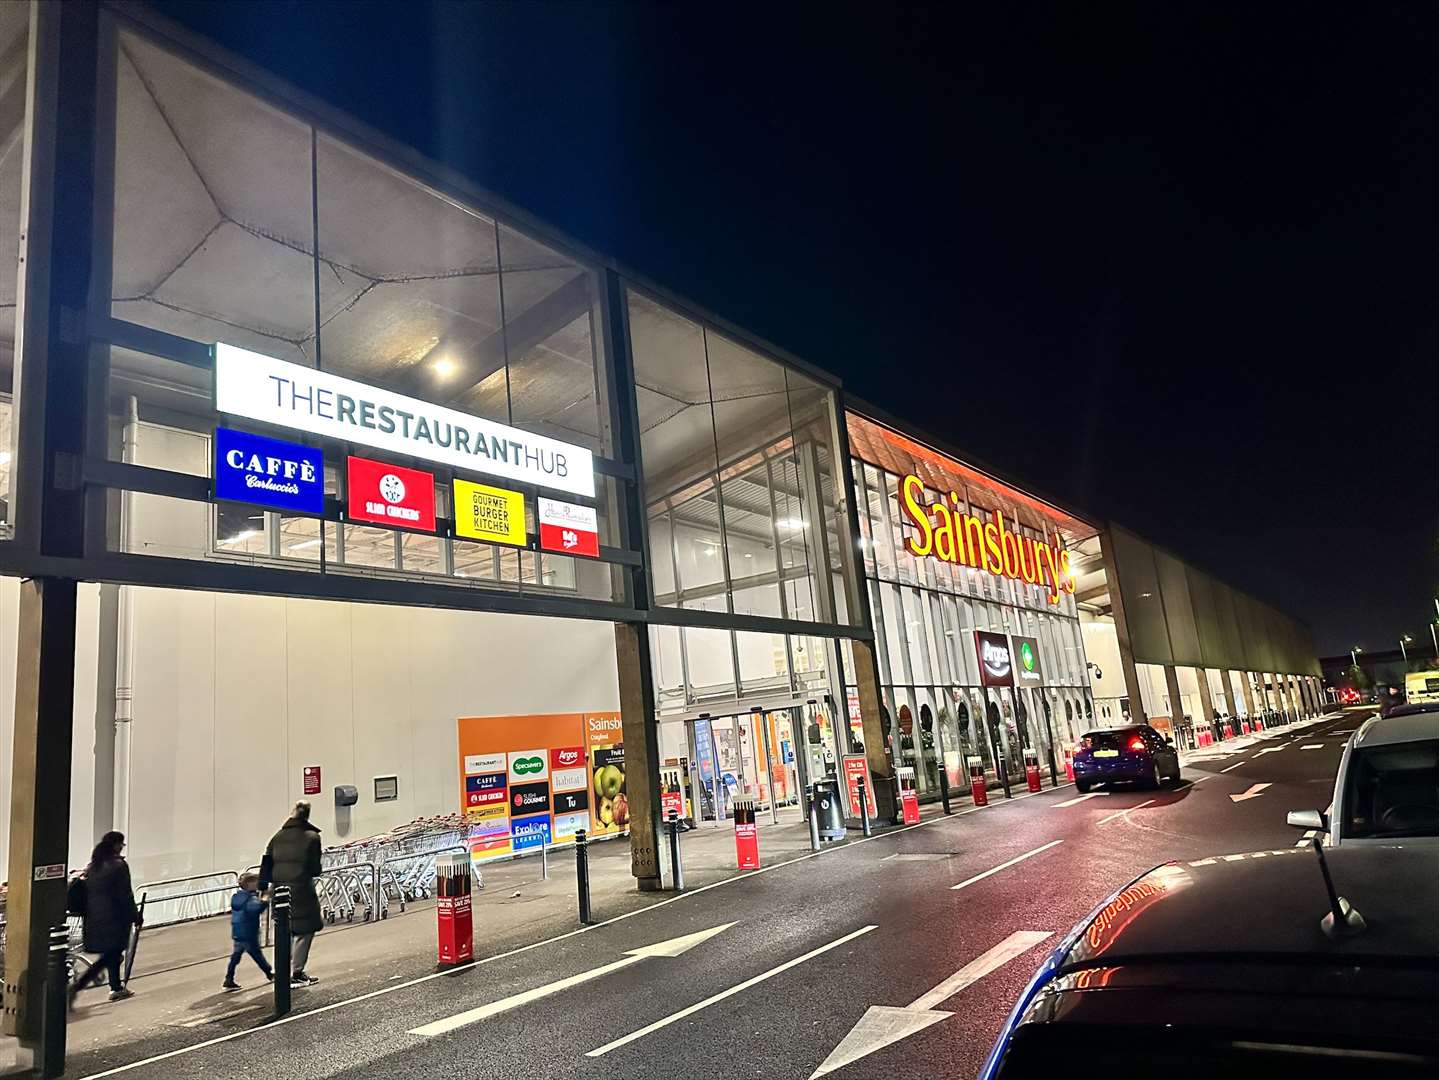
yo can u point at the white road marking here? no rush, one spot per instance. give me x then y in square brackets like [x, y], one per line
[1079, 799]
[674, 947]
[883, 1025]
[1234, 766]
[715, 999]
[1202, 779]
[1272, 749]
[1308, 836]
[1255, 790]
[520, 949]
[1006, 865]
[1312, 746]
[1121, 813]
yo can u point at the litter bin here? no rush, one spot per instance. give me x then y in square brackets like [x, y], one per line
[824, 794]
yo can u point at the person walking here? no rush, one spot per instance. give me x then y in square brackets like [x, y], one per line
[110, 911]
[245, 908]
[293, 858]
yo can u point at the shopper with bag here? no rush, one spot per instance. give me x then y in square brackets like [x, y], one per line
[107, 903]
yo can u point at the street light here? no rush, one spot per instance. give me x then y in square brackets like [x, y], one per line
[1405, 640]
[1354, 654]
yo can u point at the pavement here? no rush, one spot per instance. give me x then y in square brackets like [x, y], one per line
[923, 936]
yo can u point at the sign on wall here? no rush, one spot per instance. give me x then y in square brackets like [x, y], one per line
[288, 395]
[269, 472]
[944, 531]
[390, 495]
[494, 515]
[1025, 654]
[568, 528]
[996, 664]
[310, 775]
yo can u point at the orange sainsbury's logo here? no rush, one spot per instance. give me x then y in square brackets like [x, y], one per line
[947, 532]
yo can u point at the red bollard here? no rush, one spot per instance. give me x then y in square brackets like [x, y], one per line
[1031, 769]
[452, 909]
[746, 839]
[977, 789]
[1069, 765]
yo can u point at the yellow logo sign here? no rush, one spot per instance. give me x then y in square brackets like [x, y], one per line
[488, 513]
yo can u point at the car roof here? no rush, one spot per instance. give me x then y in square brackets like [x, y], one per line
[1116, 730]
[1268, 904]
[1408, 725]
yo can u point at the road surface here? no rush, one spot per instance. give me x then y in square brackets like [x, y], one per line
[896, 956]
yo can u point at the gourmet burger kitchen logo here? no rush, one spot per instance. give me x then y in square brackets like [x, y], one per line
[945, 531]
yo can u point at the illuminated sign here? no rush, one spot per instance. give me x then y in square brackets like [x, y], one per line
[389, 495]
[289, 395]
[1026, 661]
[490, 514]
[949, 533]
[569, 529]
[254, 469]
[996, 665]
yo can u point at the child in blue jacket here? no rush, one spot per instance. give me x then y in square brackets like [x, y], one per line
[245, 909]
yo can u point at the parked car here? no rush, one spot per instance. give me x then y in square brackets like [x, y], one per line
[1243, 966]
[1387, 786]
[1135, 753]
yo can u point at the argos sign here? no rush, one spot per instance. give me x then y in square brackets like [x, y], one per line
[946, 532]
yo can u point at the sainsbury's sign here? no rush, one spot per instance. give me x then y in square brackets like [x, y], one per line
[945, 531]
[277, 392]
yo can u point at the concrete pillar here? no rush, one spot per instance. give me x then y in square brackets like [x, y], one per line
[1176, 703]
[1206, 698]
[1223, 702]
[1242, 692]
[1317, 688]
[642, 752]
[881, 769]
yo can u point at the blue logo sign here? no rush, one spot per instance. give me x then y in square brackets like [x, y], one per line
[485, 782]
[530, 832]
[254, 469]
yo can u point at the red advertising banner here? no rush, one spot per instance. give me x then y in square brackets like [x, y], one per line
[856, 768]
[391, 495]
[568, 528]
[456, 929]
[312, 779]
[672, 802]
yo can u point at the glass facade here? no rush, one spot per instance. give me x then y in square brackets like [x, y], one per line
[14, 124]
[926, 613]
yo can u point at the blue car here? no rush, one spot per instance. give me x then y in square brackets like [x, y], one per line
[1135, 753]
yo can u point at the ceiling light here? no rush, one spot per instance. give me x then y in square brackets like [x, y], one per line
[444, 367]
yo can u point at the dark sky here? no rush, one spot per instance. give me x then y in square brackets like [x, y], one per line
[1173, 263]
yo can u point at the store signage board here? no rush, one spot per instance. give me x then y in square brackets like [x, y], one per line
[568, 528]
[390, 495]
[996, 663]
[301, 398]
[494, 515]
[269, 472]
[311, 777]
[945, 531]
[1027, 670]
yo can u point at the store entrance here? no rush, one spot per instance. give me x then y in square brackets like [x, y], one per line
[768, 756]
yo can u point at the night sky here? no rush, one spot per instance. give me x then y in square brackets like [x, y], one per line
[1171, 264]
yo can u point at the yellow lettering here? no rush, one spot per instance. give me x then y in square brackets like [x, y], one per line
[943, 532]
[910, 490]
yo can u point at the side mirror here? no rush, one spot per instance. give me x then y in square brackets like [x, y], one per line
[1308, 819]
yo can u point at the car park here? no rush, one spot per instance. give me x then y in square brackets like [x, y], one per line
[1386, 788]
[1135, 753]
[1243, 965]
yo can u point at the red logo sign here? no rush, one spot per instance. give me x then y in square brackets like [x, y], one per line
[568, 757]
[484, 798]
[568, 528]
[312, 779]
[390, 495]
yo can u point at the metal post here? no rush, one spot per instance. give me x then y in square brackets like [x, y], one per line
[864, 807]
[813, 821]
[281, 908]
[677, 870]
[582, 875]
[544, 861]
[944, 788]
[57, 977]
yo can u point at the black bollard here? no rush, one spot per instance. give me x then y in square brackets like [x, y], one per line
[582, 875]
[281, 908]
[57, 985]
[864, 807]
[813, 820]
[677, 870]
[944, 788]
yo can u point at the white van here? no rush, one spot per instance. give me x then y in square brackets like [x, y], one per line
[1421, 687]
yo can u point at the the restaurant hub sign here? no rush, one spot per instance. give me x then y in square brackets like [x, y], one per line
[946, 532]
[259, 387]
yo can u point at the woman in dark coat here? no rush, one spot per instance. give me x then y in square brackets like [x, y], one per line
[109, 913]
[293, 858]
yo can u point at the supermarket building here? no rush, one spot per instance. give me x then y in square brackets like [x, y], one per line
[326, 474]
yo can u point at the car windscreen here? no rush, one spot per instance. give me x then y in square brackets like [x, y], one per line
[1109, 740]
[1393, 791]
[1139, 1052]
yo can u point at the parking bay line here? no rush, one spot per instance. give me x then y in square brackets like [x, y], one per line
[715, 999]
[1234, 766]
[1121, 813]
[1312, 746]
[1079, 799]
[1006, 865]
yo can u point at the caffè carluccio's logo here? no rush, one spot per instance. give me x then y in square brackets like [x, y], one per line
[944, 531]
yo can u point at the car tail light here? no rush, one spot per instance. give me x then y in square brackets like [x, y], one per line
[1085, 744]
[1136, 743]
